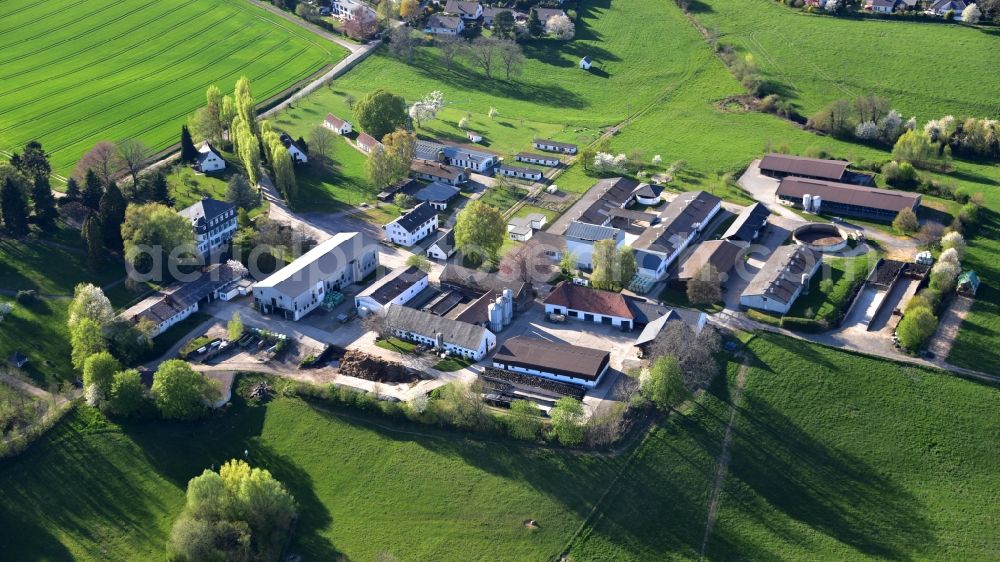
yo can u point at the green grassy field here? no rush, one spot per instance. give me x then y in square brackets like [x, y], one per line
[39, 331]
[74, 73]
[834, 456]
[814, 59]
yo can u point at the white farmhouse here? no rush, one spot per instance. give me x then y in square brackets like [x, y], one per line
[414, 226]
[337, 125]
[299, 287]
[453, 336]
[444, 25]
[444, 247]
[213, 222]
[209, 159]
[781, 279]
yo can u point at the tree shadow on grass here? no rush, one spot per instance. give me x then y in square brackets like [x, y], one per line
[828, 489]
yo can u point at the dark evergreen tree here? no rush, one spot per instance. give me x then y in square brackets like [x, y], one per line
[14, 208]
[111, 216]
[92, 190]
[33, 162]
[72, 189]
[159, 191]
[44, 203]
[303, 145]
[93, 241]
[240, 193]
[189, 153]
[535, 27]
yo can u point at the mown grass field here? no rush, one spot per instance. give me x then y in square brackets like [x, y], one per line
[813, 59]
[74, 73]
[834, 456]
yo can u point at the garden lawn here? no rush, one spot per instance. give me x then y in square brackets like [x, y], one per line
[74, 73]
[814, 59]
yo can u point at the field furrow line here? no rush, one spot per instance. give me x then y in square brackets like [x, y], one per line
[42, 66]
[47, 15]
[142, 93]
[165, 101]
[110, 73]
[74, 37]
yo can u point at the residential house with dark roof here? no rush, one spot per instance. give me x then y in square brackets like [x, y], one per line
[880, 6]
[337, 125]
[209, 159]
[835, 198]
[214, 223]
[549, 145]
[694, 319]
[466, 10]
[561, 362]
[589, 305]
[295, 151]
[418, 223]
[748, 225]
[436, 171]
[544, 14]
[580, 239]
[679, 224]
[398, 287]
[490, 13]
[453, 336]
[444, 247]
[781, 165]
[438, 24]
[437, 194]
[941, 7]
[781, 279]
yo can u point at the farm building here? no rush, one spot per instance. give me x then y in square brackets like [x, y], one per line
[436, 171]
[367, 143]
[782, 165]
[444, 247]
[679, 224]
[181, 300]
[589, 305]
[209, 159]
[562, 362]
[581, 237]
[519, 172]
[398, 287]
[647, 194]
[541, 159]
[586, 63]
[693, 318]
[781, 279]
[337, 125]
[522, 228]
[846, 199]
[214, 223]
[719, 254]
[473, 136]
[555, 146]
[437, 194]
[417, 224]
[299, 287]
[454, 336]
[466, 157]
[748, 224]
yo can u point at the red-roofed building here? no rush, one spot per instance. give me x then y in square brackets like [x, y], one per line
[589, 305]
[337, 125]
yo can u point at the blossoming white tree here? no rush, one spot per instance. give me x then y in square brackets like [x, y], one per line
[560, 27]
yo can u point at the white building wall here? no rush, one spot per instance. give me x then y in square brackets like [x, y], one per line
[579, 315]
[552, 376]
